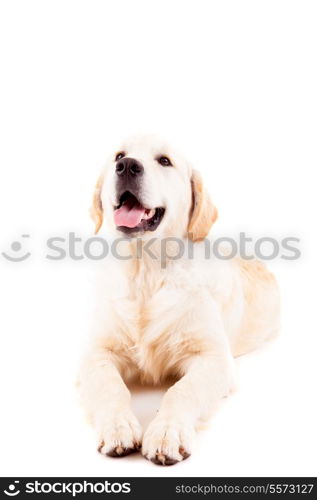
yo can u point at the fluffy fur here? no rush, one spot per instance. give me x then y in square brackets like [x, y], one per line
[169, 317]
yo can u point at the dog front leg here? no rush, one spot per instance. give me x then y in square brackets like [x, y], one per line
[107, 401]
[170, 436]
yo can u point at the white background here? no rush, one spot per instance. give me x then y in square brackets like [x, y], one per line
[233, 85]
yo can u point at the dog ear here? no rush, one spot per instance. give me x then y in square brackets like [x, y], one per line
[203, 213]
[96, 210]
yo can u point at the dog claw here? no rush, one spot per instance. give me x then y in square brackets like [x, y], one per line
[120, 451]
[162, 459]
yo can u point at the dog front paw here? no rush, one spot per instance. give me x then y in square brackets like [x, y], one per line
[119, 435]
[168, 441]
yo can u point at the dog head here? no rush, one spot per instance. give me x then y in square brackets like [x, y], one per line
[147, 188]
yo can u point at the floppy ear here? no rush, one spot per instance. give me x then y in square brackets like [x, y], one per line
[203, 213]
[96, 210]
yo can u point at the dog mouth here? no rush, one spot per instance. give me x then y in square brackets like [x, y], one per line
[131, 216]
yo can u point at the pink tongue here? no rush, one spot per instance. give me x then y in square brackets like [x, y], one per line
[129, 215]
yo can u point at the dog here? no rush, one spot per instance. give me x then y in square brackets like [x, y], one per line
[162, 315]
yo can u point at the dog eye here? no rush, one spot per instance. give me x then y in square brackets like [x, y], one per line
[120, 155]
[163, 160]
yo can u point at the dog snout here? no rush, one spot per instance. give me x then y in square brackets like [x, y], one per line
[129, 167]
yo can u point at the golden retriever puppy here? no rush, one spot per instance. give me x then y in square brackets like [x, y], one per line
[164, 309]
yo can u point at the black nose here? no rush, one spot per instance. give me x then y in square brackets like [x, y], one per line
[129, 166]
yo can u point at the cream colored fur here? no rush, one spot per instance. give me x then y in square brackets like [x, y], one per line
[158, 318]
